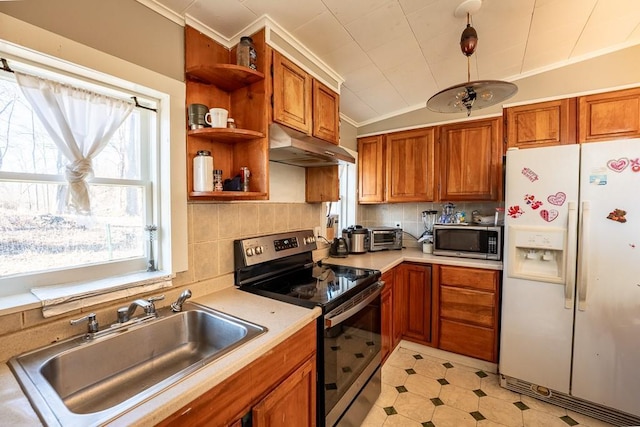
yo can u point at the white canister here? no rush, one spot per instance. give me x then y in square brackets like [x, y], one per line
[427, 247]
[203, 171]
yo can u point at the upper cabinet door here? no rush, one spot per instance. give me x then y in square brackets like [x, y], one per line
[410, 170]
[291, 94]
[371, 169]
[471, 161]
[541, 124]
[611, 115]
[326, 120]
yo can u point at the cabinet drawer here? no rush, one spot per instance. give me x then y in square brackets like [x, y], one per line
[473, 341]
[469, 278]
[467, 305]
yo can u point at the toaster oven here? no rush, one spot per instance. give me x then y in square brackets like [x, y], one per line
[385, 238]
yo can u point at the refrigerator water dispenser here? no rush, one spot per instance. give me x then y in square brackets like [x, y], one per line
[537, 253]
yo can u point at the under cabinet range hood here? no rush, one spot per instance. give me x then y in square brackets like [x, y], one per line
[295, 148]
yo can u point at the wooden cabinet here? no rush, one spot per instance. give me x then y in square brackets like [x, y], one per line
[322, 184]
[398, 167]
[471, 161]
[611, 115]
[292, 403]
[371, 166]
[303, 103]
[291, 94]
[213, 79]
[325, 113]
[410, 166]
[280, 386]
[416, 302]
[386, 302]
[469, 311]
[542, 124]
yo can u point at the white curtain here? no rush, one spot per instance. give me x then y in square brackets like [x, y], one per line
[80, 123]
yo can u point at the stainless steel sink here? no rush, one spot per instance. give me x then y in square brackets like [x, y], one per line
[88, 382]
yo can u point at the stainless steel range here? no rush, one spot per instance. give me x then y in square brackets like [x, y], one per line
[281, 266]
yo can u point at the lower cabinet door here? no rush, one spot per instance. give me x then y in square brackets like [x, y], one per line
[292, 403]
[470, 340]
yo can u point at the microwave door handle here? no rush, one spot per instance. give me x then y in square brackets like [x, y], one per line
[335, 320]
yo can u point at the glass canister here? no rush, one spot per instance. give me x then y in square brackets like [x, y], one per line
[203, 171]
[246, 54]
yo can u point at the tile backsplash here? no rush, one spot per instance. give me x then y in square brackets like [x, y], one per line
[212, 228]
[410, 216]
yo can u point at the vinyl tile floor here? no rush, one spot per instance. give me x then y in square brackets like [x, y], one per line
[424, 391]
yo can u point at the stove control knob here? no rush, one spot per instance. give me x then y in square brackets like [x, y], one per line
[249, 251]
[258, 250]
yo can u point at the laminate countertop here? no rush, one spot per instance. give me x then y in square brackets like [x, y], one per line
[386, 260]
[281, 319]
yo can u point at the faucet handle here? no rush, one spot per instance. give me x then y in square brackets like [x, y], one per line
[156, 298]
[92, 322]
[151, 309]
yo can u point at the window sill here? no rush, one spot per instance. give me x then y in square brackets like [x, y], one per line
[59, 299]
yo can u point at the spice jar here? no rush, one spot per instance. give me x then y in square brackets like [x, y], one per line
[231, 123]
[246, 54]
[203, 171]
[217, 180]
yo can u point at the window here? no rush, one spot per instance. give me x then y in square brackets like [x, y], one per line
[41, 242]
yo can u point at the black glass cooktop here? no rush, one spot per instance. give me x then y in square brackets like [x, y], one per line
[322, 285]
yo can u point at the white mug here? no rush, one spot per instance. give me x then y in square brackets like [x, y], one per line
[216, 117]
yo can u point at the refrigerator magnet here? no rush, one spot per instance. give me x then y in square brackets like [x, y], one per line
[617, 215]
[549, 215]
[531, 175]
[557, 199]
[635, 165]
[531, 201]
[618, 165]
[514, 211]
[598, 178]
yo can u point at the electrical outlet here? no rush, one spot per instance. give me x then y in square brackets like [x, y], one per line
[398, 224]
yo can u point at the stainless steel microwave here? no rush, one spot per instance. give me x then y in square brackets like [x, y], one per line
[468, 241]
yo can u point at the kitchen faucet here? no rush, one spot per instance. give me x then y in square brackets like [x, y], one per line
[177, 306]
[125, 313]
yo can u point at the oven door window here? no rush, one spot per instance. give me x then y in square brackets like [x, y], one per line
[349, 347]
[383, 239]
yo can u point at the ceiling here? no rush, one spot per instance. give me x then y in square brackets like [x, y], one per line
[395, 54]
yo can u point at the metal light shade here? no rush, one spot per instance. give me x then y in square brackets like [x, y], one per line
[471, 96]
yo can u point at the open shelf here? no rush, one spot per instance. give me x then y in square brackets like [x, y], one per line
[227, 77]
[225, 134]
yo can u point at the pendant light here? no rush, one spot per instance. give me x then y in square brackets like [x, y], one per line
[472, 95]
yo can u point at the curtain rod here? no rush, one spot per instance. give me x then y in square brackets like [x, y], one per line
[5, 67]
[135, 99]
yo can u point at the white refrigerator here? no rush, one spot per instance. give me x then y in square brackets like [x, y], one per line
[571, 282]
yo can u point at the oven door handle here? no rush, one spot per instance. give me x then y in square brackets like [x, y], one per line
[330, 321]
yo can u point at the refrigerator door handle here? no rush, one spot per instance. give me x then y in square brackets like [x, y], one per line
[583, 264]
[570, 258]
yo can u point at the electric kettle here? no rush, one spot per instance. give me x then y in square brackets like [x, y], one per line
[339, 248]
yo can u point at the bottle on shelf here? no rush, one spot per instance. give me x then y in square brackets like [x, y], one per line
[246, 55]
